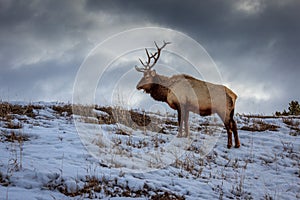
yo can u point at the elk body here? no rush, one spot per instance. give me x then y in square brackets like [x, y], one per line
[185, 94]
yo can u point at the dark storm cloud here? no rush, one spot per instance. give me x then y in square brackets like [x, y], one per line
[254, 43]
[42, 45]
[270, 29]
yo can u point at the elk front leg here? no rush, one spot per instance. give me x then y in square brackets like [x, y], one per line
[180, 122]
[186, 124]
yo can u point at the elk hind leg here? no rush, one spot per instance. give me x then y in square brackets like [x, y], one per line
[233, 127]
[229, 135]
[226, 120]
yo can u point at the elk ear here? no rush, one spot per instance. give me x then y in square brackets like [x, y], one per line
[153, 73]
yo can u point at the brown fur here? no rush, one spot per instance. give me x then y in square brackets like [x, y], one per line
[185, 93]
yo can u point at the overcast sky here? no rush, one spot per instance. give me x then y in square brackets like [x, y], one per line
[254, 43]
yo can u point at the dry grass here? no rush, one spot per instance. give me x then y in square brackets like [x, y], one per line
[97, 187]
[7, 109]
[260, 125]
[171, 122]
[106, 119]
[90, 186]
[13, 137]
[294, 126]
[189, 167]
[121, 132]
[94, 187]
[63, 110]
[8, 114]
[167, 196]
[13, 125]
[141, 119]
[4, 180]
[114, 115]
[291, 122]
[256, 116]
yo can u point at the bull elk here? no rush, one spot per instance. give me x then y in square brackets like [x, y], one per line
[185, 94]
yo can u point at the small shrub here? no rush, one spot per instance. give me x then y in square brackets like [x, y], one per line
[7, 109]
[167, 196]
[4, 180]
[171, 122]
[11, 125]
[121, 132]
[13, 137]
[63, 110]
[140, 119]
[293, 125]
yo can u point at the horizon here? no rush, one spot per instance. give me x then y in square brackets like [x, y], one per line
[167, 111]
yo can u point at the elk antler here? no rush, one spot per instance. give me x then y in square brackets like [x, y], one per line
[139, 69]
[155, 56]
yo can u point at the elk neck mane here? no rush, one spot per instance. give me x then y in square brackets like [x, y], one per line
[160, 88]
[161, 85]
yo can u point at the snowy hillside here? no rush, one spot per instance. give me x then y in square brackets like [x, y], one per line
[48, 151]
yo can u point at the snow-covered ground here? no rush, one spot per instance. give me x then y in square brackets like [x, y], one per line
[46, 154]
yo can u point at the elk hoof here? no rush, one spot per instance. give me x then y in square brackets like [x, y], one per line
[237, 146]
[229, 146]
[188, 136]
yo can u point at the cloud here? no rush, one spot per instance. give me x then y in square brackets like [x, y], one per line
[43, 44]
[249, 6]
[255, 43]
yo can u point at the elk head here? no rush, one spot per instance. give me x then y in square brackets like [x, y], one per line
[149, 74]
